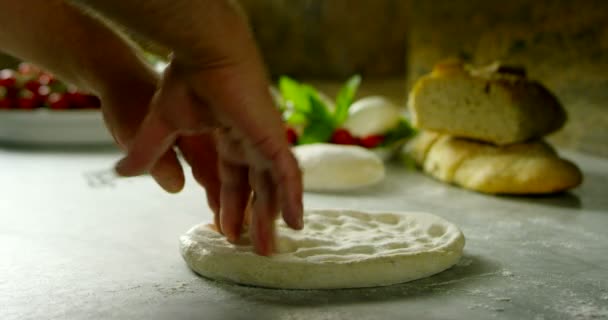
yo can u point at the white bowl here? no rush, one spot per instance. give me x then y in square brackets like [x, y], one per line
[48, 127]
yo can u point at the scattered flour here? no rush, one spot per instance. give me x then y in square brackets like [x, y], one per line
[464, 262]
[587, 311]
[506, 273]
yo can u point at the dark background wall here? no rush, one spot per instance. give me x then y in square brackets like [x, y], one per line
[563, 43]
[331, 38]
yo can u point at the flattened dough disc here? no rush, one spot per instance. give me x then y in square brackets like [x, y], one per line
[336, 249]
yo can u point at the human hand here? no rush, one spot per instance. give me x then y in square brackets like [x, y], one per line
[222, 119]
[125, 103]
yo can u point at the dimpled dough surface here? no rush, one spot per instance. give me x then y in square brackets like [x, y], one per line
[336, 249]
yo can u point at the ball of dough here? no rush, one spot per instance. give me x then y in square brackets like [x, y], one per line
[372, 116]
[332, 167]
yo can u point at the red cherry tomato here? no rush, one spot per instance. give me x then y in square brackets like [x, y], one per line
[292, 136]
[6, 102]
[372, 141]
[343, 136]
[7, 78]
[32, 85]
[46, 79]
[28, 68]
[27, 100]
[43, 92]
[57, 101]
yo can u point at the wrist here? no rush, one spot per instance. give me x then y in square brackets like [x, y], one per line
[116, 68]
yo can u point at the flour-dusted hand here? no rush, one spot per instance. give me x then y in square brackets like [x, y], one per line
[223, 121]
[213, 104]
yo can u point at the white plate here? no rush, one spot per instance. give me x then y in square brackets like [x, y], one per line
[47, 127]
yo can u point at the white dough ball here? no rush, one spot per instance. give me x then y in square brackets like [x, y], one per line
[332, 167]
[371, 116]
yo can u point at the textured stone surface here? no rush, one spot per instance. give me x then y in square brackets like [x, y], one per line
[109, 250]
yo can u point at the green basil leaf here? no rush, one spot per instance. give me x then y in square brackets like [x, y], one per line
[294, 94]
[402, 131]
[295, 118]
[345, 99]
[321, 124]
[316, 132]
[318, 109]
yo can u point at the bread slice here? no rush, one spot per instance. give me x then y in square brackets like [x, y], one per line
[495, 104]
[525, 168]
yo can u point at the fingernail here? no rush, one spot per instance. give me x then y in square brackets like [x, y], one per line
[231, 232]
[300, 222]
[232, 238]
[174, 185]
[270, 248]
[212, 203]
[299, 214]
[228, 234]
[119, 168]
[218, 222]
[264, 245]
[122, 168]
[267, 247]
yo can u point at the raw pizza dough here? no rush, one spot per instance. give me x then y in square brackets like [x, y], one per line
[336, 249]
[333, 167]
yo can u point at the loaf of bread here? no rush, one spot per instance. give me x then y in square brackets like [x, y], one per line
[495, 104]
[525, 168]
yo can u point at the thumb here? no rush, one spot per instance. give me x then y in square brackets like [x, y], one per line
[152, 140]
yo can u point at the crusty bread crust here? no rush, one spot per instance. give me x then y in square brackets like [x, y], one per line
[525, 168]
[495, 104]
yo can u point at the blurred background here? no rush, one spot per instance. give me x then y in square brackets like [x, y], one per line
[562, 43]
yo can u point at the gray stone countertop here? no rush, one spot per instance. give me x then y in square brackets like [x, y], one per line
[77, 244]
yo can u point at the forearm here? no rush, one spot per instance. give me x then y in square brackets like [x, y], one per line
[61, 38]
[204, 29]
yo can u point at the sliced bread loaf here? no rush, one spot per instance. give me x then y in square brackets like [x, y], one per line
[495, 104]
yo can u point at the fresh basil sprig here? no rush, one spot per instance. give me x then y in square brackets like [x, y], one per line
[303, 106]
